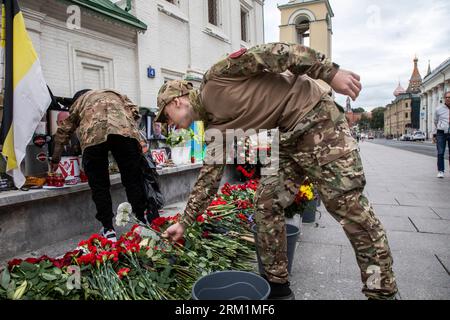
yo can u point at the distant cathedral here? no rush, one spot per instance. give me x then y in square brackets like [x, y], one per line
[348, 107]
[402, 115]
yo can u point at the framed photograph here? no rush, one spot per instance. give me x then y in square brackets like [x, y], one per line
[56, 118]
[159, 131]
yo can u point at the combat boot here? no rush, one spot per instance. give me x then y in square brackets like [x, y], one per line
[279, 291]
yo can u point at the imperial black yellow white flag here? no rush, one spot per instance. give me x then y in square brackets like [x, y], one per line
[26, 96]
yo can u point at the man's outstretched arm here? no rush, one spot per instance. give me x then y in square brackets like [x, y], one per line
[275, 57]
[205, 188]
[280, 57]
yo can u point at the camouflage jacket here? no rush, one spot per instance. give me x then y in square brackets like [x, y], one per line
[257, 62]
[97, 114]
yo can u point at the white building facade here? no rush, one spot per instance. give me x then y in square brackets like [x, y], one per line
[433, 88]
[135, 45]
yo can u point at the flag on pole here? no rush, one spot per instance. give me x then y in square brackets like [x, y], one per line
[26, 96]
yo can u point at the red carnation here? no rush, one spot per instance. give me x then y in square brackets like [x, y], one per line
[242, 217]
[123, 272]
[205, 235]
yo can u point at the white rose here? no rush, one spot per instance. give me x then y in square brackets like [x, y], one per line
[123, 214]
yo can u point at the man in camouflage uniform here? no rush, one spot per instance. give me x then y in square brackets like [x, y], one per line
[106, 121]
[251, 89]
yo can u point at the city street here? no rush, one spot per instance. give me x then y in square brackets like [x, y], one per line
[425, 148]
[413, 206]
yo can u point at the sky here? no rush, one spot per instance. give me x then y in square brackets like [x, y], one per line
[378, 39]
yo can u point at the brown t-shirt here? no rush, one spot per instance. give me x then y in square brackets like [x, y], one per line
[266, 101]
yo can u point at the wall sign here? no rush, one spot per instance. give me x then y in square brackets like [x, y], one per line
[151, 72]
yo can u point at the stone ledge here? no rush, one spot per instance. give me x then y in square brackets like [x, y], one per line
[10, 198]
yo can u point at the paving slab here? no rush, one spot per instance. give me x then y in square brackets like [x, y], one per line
[397, 224]
[306, 287]
[444, 213]
[382, 198]
[432, 225]
[420, 267]
[413, 242]
[406, 211]
[422, 290]
[324, 235]
[322, 260]
[444, 260]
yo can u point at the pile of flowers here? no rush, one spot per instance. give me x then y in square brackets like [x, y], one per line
[142, 264]
[302, 201]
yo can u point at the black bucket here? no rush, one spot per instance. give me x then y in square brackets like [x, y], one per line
[231, 285]
[292, 233]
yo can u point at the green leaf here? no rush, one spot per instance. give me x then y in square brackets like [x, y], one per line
[49, 277]
[20, 291]
[141, 284]
[11, 289]
[26, 266]
[45, 264]
[59, 290]
[5, 278]
[57, 271]
[31, 275]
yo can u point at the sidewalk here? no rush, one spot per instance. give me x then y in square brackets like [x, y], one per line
[414, 208]
[412, 204]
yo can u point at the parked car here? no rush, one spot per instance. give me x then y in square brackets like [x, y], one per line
[371, 136]
[405, 137]
[418, 136]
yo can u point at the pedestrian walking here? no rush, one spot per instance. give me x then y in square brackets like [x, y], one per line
[442, 135]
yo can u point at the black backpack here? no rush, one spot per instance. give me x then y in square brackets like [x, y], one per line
[153, 194]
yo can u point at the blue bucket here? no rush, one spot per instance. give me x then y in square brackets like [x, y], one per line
[292, 234]
[231, 285]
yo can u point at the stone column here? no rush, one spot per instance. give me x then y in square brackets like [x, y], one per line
[430, 112]
[423, 111]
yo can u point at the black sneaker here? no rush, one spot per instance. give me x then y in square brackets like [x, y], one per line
[396, 296]
[109, 234]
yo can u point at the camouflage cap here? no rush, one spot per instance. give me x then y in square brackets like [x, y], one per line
[169, 91]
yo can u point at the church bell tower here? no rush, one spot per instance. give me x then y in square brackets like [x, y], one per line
[308, 22]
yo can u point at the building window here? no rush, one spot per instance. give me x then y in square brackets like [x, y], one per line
[213, 12]
[244, 25]
[406, 115]
[302, 29]
[407, 105]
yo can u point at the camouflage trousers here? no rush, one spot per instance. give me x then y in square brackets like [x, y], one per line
[321, 148]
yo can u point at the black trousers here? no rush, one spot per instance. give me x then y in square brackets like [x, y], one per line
[127, 153]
